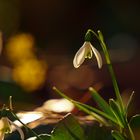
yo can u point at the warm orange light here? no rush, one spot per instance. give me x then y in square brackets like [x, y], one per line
[58, 105]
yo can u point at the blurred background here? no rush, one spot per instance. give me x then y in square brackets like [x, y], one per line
[39, 39]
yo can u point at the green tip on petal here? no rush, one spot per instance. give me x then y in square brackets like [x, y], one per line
[86, 51]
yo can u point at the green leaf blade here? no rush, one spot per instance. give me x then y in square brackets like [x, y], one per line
[101, 102]
[68, 129]
[95, 110]
[117, 135]
[117, 112]
[100, 35]
[42, 137]
[129, 103]
[96, 116]
[135, 121]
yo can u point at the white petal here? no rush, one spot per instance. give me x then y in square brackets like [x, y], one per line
[18, 129]
[1, 124]
[80, 56]
[6, 125]
[2, 135]
[97, 55]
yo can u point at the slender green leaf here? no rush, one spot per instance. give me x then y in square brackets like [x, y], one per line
[95, 132]
[135, 121]
[117, 112]
[103, 114]
[129, 103]
[130, 132]
[101, 102]
[117, 135]
[68, 129]
[42, 136]
[96, 116]
[100, 35]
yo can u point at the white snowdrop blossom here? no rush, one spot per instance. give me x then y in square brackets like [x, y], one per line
[6, 127]
[87, 51]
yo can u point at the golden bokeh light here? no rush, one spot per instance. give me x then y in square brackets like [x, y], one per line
[28, 71]
[20, 47]
[30, 74]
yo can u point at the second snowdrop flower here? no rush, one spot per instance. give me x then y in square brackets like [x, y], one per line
[6, 127]
[87, 51]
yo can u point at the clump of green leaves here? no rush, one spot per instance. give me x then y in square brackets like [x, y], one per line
[111, 114]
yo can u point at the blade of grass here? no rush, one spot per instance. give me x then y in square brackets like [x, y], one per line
[111, 71]
[117, 135]
[104, 106]
[95, 115]
[98, 112]
[131, 134]
[129, 103]
[116, 110]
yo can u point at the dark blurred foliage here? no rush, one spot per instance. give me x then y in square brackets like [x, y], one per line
[58, 27]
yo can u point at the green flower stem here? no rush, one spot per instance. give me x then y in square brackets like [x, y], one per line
[100, 38]
[114, 81]
[107, 57]
[88, 36]
[10, 103]
[131, 134]
[115, 84]
[35, 134]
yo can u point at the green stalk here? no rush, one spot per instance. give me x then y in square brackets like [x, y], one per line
[96, 116]
[131, 134]
[35, 134]
[113, 77]
[107, 57]
[99, 112]
[100, 38]
[114, 81]
[16, 117]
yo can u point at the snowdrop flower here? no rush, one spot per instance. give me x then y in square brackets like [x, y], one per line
[87, 51]
[6, 127]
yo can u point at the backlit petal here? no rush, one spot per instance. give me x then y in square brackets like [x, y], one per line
[6, 125]
[1, 130]
[18, 129]
[2, 135]
[97, 55]
[80, 56]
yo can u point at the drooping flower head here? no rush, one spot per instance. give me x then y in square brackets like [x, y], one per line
[6, 127]
[6, 124]
[87, 51]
